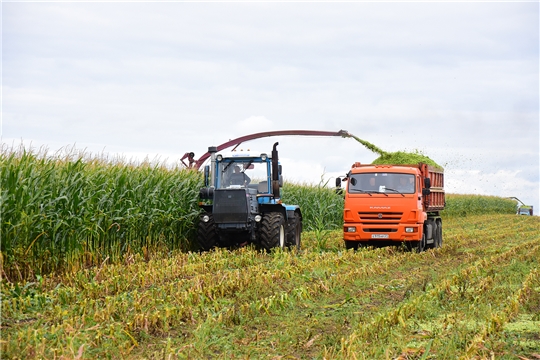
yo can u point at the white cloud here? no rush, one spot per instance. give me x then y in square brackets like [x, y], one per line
[500, 183]
[254, 124]
[457, 81]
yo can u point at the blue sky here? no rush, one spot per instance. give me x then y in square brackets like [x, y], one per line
[456, 81]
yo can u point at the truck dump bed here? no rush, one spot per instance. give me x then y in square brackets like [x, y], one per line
[435, 201]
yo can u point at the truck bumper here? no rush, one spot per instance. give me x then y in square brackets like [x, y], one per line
[397, 233]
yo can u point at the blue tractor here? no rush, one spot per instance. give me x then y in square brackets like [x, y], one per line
[241, 203]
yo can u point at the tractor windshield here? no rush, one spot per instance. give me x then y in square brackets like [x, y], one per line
[382, 183]
[242, 173]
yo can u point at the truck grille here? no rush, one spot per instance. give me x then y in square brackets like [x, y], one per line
[380, 230]
[380, 217]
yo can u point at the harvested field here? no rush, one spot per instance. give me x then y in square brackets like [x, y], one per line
[476, 297]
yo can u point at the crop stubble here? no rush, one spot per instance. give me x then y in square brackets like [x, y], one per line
[333, 303]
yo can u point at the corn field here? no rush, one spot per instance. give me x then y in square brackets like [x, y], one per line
[69, 210]
[66, 211]
[463, 205]
[322, 208]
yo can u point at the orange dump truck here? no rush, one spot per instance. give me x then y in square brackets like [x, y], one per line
[393, 204]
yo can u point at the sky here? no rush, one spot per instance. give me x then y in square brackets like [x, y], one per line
[456, 81]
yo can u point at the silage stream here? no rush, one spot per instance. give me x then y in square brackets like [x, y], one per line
[397, 157]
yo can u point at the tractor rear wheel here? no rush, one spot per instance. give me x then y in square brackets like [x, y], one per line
[294, 231]
[272, 231]
[207, 236]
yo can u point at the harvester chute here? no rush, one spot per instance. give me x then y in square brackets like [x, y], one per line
[197, 163]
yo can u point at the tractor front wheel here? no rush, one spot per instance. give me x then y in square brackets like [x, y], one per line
[272, 231]
[207, 236]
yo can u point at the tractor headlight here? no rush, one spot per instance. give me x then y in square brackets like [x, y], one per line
[206, 218]
[264, 157]
[219, 157]
[258, 218]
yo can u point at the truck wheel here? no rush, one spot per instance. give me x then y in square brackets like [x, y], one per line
[417, 246]
[294, 231]
[272, 231]
[421, 246]
[433, 225]
[438, 234]
[207, 236]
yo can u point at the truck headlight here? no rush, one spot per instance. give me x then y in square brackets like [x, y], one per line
[258, 218]
[351, 229]
[206, 218]
[409, 230]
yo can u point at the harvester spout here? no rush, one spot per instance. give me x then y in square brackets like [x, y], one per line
[344, 133]
[235, 142]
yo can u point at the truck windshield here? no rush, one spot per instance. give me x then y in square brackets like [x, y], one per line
[241, 173]
[382, 183]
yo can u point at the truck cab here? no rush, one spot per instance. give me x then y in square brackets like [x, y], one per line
[392, 205]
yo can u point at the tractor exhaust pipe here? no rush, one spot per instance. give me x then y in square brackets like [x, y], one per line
[212, 150]
[275, 171]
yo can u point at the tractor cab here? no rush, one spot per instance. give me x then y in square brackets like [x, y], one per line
[244, 171]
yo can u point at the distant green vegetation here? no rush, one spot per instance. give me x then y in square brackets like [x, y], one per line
[465, 205]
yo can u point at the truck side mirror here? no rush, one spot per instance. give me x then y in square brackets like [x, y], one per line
[280, 170]
[280, 180]
[427, 183]
[426, 191]
[339, 190]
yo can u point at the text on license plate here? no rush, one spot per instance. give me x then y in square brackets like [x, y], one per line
[379, 236]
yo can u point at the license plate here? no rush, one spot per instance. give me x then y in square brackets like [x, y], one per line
[380, 236]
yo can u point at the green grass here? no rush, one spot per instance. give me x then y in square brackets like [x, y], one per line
[476, 297]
